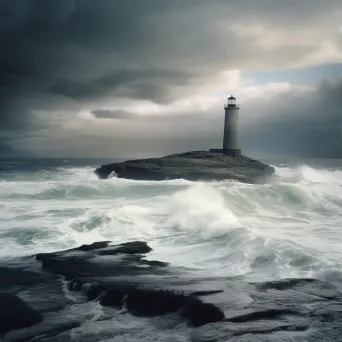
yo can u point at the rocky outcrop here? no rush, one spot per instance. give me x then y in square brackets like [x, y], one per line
[193, 166]
[81, 265]
[16, 314]
[100, 290]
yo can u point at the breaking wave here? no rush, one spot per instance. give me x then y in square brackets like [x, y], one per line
[289, 227]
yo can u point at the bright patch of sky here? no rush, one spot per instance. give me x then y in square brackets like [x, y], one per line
[306, 76]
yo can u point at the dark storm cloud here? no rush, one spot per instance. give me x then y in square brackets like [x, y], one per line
[114, 114]
[136, 84]
[295, 122]
[167, 118]
[69, 54]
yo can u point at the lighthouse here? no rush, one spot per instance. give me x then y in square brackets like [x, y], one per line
[231, 144]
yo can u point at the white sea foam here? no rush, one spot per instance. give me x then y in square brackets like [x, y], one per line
[289, 227]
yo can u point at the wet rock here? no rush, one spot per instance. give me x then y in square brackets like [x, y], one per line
[198, 313]
[193, 166]
[93, 246]
[75, 285]
[119, 277]
[94, 291]
[156, 302]
[113, 297]
[110, 281]
[16, 314]
[284, 284]
[313, 287]
[136, 247]
[48, 332]
[261, 315]
[11, 277]
[153, 302]
[205, 293]
[154, 263]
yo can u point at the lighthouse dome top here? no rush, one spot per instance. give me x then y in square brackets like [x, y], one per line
[231, 103]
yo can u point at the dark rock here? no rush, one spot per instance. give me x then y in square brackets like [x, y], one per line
[17, 276]
[153, 302]
[16, 314]
[205, 293]
[93, 246]
[119, 277]
[284, 284]
[48, 332]
[135, 247]
[113, 297]
[75, 285]
[83, 248]
[198, 313]
[111, 287]
[156, 302]
[93, 291]
[309, 286]
[154, 263]
[261, 315]
[197, 165]
[85, 262]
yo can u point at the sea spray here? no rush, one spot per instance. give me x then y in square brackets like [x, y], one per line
[287, 227]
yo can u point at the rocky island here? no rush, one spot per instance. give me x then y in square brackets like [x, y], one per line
[193, 166]
[216, 164]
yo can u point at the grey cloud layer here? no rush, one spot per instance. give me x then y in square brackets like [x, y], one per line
[114, 114]
[302, 125]
[70, 54]
[290, 124]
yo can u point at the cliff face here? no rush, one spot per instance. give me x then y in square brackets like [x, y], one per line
[194, 166]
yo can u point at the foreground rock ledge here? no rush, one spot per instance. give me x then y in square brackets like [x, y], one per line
[36, 306]
[116, 283]
[193, 166]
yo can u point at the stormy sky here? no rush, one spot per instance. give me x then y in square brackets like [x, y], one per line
[124, 78]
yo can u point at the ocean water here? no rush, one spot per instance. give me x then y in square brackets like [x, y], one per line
[290, 227]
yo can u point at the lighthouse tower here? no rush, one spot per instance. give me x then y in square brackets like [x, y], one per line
[231, 144]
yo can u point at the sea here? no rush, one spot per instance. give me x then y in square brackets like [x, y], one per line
[287, 227]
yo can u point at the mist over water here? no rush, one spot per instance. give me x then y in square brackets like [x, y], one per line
[289, 227]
